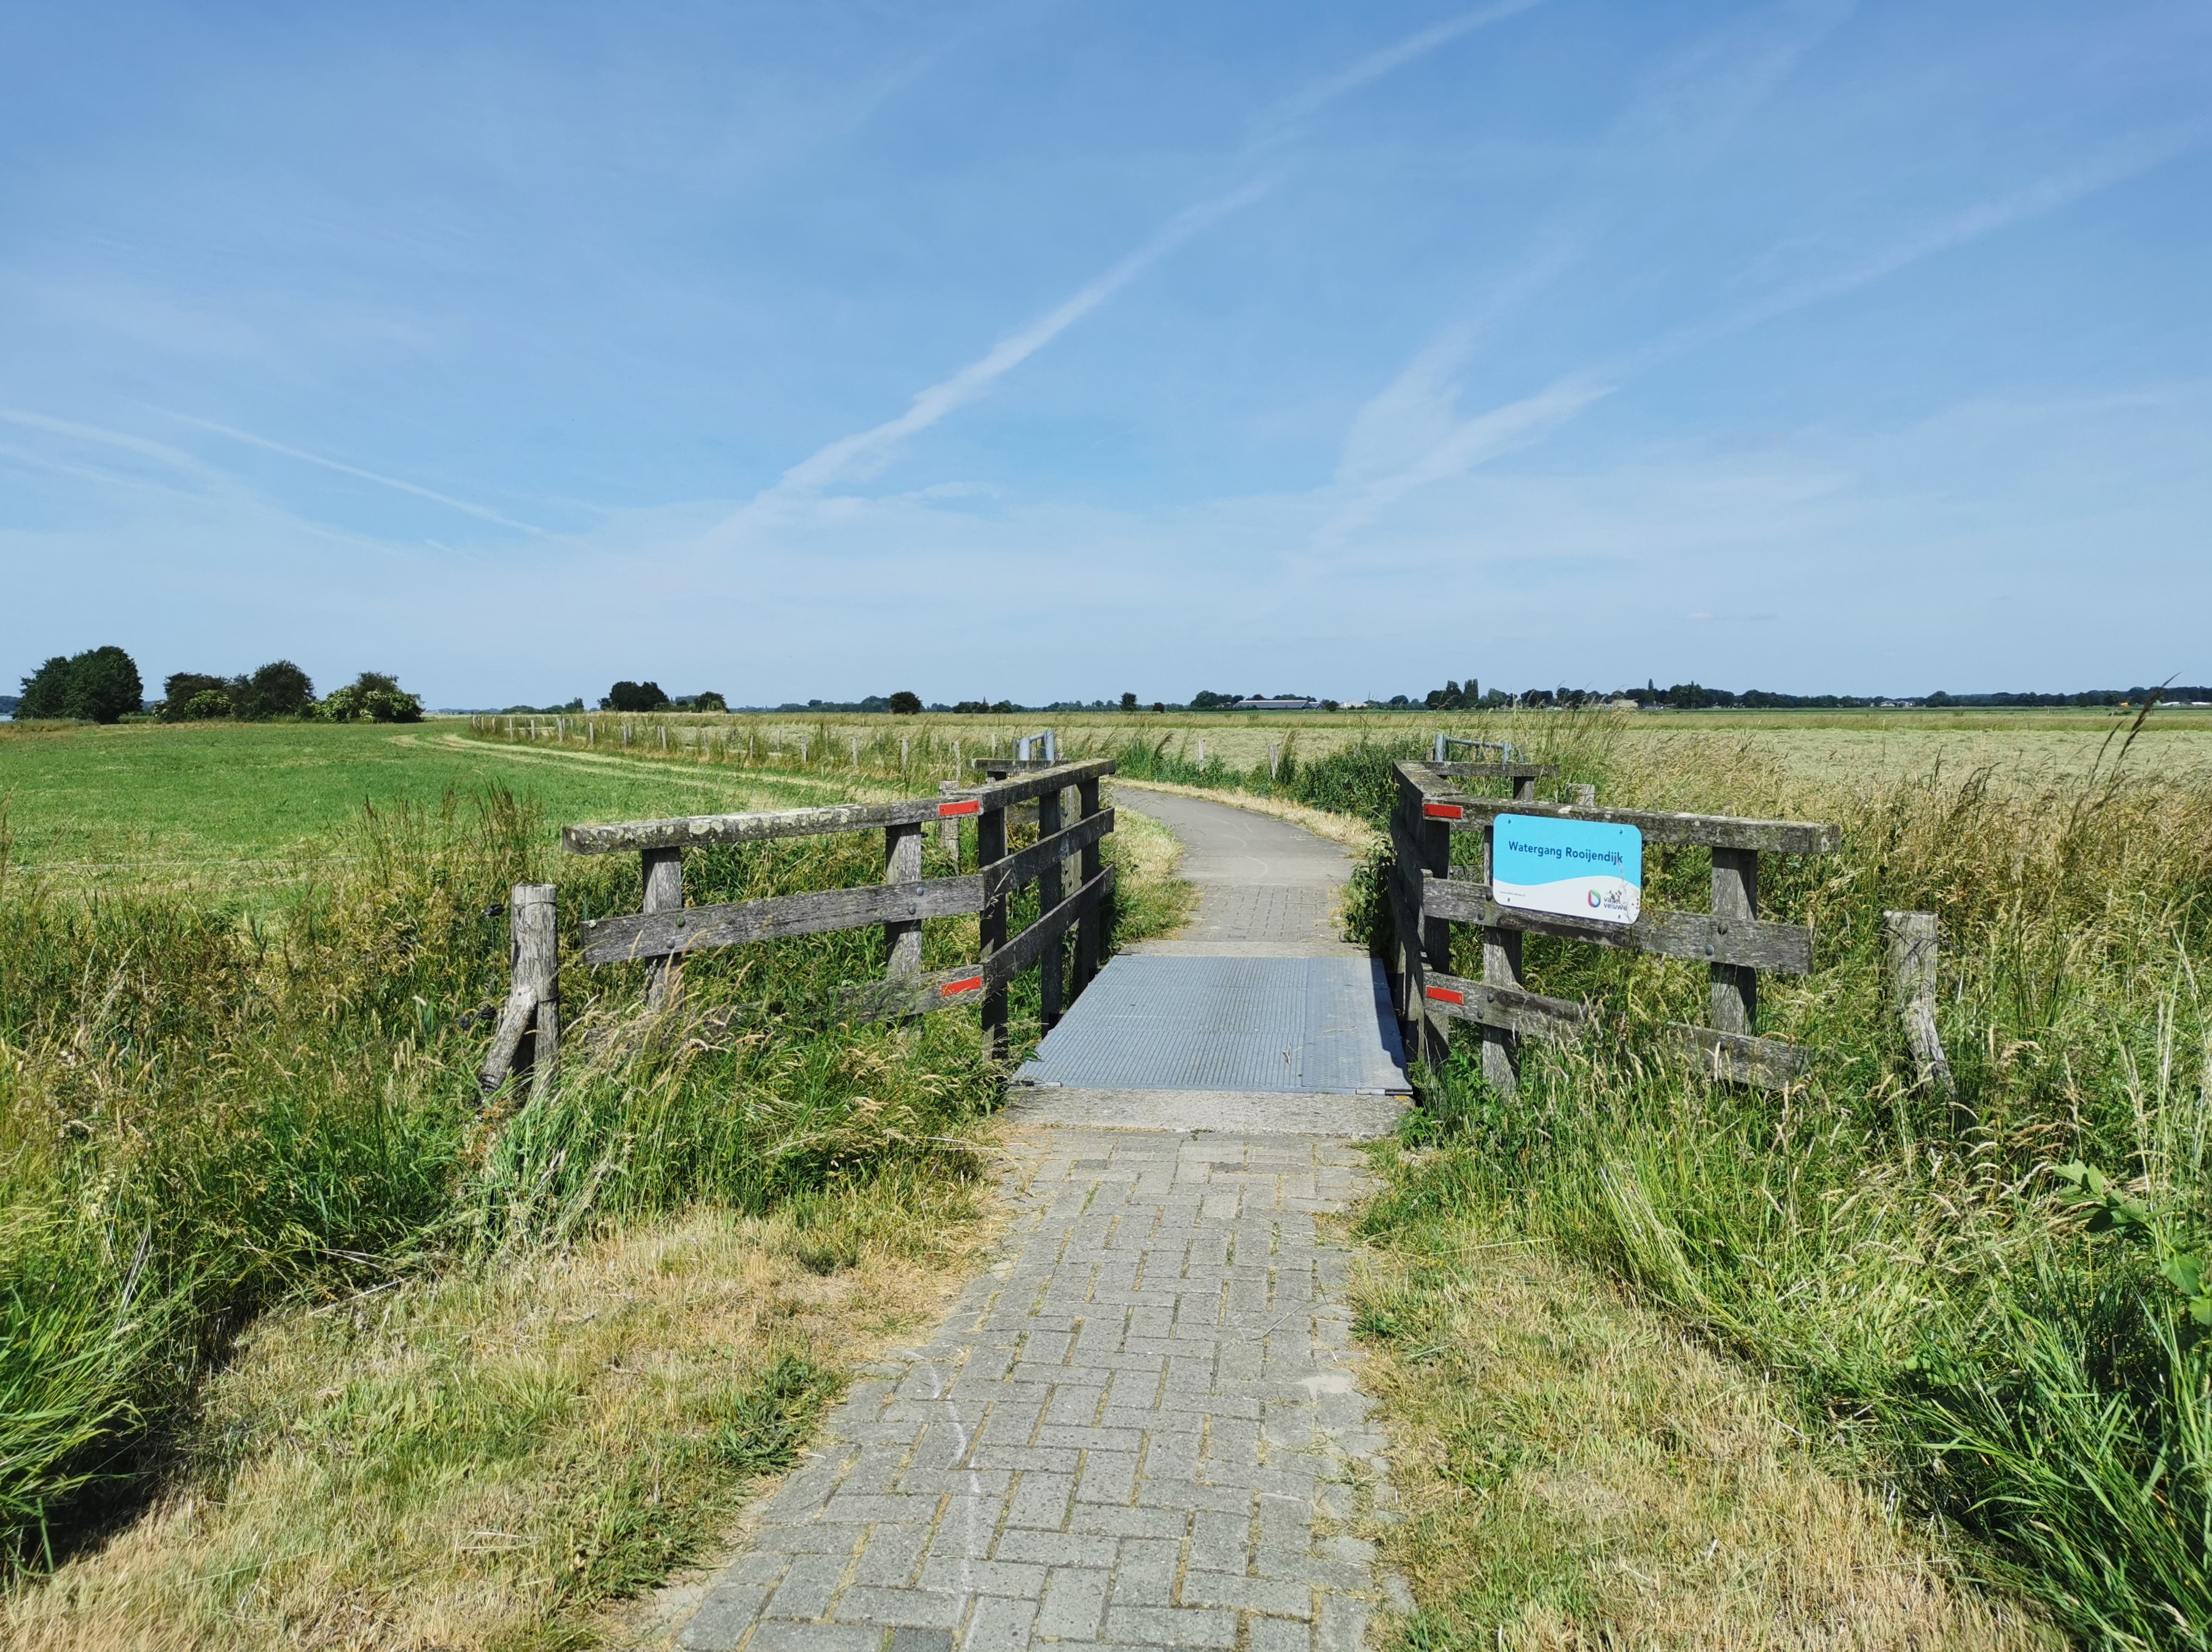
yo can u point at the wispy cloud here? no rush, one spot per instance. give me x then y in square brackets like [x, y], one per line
[864, 450]
[1412, 432]
[858, 454]
[175, 457]
[480, 512]
[1425, 384]
[1300, 105]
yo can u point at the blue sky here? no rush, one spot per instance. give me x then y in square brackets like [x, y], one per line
[1037, 350]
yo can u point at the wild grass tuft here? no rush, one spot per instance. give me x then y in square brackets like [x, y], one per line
[205, 1111]
[1952, 1316]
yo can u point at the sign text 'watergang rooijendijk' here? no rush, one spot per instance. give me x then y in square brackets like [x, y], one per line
[1571, 868]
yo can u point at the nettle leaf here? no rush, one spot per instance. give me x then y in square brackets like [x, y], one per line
[2085, 1181]
[2186, 1272]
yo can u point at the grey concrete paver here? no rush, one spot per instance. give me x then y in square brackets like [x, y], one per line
[1141, 1427]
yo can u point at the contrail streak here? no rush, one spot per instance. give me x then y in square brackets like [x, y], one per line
[344, 469]
[857, 452]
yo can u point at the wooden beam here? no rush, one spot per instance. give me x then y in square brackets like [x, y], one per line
[950, 989]
[1026, 948]
[1036, 780]
[903, 864]
[990, 849]
[663, 894]
[1090, 932]
[1505, 1009]
[1736, 1058]
[895, 996]
[1755, 943]
[693, 929]
[1912, 955]
[1658, 826]
[1495, 771]
[745, 828]
[1027, 866]
[533, 1000]
[1049, 895]
[1735, 900]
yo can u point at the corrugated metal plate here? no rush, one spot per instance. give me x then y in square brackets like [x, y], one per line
[1317, 1026]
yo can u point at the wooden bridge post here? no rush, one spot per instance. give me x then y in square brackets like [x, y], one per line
[1501, 967]
[903, 864]
[535, 929]
[948, 828]
[991, 846]
[1091, 928]
[1049, 891]
[1735, 986]
[1912, 938]
[663, 892]
[532, 1010]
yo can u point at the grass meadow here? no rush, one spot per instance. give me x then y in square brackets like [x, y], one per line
[307, 1344]
[303, 1340]
[1824, 749]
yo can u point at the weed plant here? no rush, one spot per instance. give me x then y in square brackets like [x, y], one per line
[1964, 1305]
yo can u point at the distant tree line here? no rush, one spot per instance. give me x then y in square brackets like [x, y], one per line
[1454, 696]
[102, 685]
[280, 689]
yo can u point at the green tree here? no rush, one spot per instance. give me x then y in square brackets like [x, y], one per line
[633, 696]
[45, 691]
[280, 689]
[376, 696]
[905, 704]
[709, 701]
[1128, 702]
[181, 690]
[100, 685]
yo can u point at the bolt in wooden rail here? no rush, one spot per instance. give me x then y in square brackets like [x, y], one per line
[1428, 894]
[665, 930]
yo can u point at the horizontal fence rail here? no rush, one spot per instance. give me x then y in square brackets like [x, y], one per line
[665, 930]
[1428, 894]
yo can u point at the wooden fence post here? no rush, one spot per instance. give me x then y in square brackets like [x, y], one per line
[1091, 928]
[1501, 967]
[903, 864]
[533, 996]
[1735, 986]
[1049, 890]
[663, 892]
[991, 846]
[1912, 937]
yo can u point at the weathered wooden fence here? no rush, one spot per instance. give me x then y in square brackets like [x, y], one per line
[1429, 894]
[666, 930]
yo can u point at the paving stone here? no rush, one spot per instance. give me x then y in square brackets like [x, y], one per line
[1171, 1626]
[1124, 1438]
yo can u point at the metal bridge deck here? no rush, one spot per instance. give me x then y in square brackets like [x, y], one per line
[1248, 1020]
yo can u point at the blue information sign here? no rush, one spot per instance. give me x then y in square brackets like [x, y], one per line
[1573, 868]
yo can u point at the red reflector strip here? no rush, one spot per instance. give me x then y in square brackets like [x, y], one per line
[965, 984]
[1445, 995]
[1443, 811]
[972, 806]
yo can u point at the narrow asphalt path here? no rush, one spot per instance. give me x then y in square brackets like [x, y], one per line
[1142, 1426]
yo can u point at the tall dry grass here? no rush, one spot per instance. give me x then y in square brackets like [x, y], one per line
[1956, 1318]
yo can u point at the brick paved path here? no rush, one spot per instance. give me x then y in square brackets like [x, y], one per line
[1138, 1429]
[1141, 1427]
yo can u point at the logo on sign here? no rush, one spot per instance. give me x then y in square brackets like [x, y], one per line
[1588, 869]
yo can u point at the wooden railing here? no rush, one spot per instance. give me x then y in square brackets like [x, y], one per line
[666, 930]
[1429, 894]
